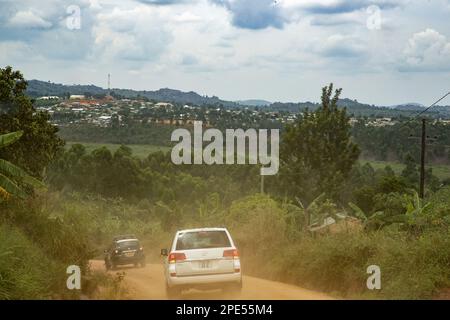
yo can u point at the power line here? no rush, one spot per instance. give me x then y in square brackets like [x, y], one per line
[423, 144]
[423, 111]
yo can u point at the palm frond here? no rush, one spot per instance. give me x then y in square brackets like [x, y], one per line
[317, 200]
[13, 171]
[8, 138]
[4, 194]
[11, 187]
[300, 203]
[357, 211]
[377, 215]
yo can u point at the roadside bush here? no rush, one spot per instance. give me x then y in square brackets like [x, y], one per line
[258, 225]
[412, 267]
[62, 238]
[97, 220]
[56, 229]
[25, 271]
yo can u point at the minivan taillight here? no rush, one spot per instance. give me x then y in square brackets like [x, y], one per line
[232, 254]
[176, 257]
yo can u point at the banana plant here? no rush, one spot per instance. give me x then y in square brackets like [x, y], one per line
[316, 212]
[416, 207]
[416, 210]
[377, 217]
[307, 210]
[11, 176]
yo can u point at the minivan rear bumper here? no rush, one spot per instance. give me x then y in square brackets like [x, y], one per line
[122, 259]
[204, 279]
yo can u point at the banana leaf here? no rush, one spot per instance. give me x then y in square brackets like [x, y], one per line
[8, 138]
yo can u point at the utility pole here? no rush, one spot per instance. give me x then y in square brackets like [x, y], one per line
[424, 142]
[422, 160]
[423, 147]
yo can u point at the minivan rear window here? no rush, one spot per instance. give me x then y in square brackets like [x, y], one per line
[202, 240]
[132, 244]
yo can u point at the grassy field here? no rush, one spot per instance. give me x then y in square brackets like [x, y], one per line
[139, 150]
[441, 171]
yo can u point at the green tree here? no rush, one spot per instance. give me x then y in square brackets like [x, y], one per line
[317, 153]
[410, 173]
[39, 143]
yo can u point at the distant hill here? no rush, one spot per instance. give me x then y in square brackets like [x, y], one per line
[253, 102]
[358, 109]
[353, 106]
[37, 88]
[409, 107]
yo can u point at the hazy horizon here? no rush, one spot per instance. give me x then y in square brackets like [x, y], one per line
[382, 52]
[235, 100]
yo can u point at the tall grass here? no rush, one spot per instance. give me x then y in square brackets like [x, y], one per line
[25, 271]
[412, 267]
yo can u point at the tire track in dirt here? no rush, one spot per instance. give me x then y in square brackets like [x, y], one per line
[148, 283]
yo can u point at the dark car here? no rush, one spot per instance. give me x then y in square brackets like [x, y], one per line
[124, 250]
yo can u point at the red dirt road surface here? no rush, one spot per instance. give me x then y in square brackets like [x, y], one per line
[148, 283]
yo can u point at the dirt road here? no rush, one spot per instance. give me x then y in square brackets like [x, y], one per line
[148, 283]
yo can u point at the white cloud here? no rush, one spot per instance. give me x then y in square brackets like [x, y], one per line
[140, 33]
[236, 49]
[187, 17]
[338, 19]
[28, 19]
[427, 51]
[342, 46]
[14, 49]
[339, 6]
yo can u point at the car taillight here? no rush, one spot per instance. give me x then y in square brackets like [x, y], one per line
[176, 257]
[232, 254]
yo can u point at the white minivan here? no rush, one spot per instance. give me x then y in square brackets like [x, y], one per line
[202, 259]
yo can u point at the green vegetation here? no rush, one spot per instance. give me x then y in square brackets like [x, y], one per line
[139, 150]
[413, 266]
[441, 171]
[397, 142]
[96, 192]
[17, 113]
[154, 178]
[154, 134]
[11, 176]
[35, 247]
[317, 153]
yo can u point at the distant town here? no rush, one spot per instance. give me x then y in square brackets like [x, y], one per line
[109, 111]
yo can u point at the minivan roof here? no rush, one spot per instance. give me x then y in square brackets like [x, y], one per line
[125, 240]
[124, 236]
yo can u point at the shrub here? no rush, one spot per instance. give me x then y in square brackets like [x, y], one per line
[25, 271]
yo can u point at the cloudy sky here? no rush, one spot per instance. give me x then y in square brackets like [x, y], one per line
[381, 51]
